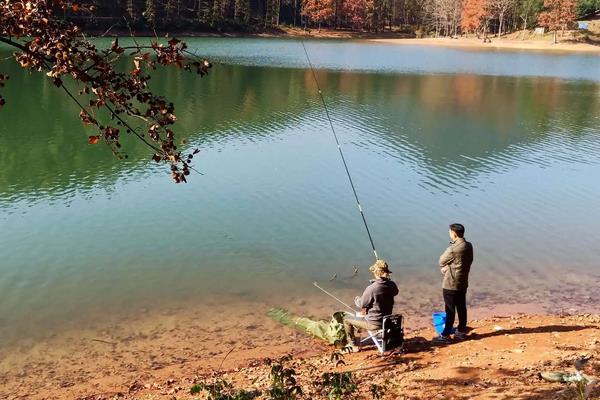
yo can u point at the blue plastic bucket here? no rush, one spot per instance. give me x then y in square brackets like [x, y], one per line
[439, 321]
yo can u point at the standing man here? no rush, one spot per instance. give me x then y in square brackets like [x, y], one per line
[376, 302]
[455, 265]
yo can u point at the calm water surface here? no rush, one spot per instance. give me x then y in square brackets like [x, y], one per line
[507, 143]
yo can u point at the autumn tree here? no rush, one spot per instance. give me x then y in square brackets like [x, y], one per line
[355, 12]
[557, 14]
[87, 75]
[472, 15]
[318, 11]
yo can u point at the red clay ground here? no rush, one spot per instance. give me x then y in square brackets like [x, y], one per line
[501, 360]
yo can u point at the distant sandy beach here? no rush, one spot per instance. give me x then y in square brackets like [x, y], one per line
[571, 42]
[496, 44]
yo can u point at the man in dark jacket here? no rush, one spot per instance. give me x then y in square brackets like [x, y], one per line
[376, 302]
[455, 264]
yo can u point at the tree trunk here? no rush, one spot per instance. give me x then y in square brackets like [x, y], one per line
[455, 29]
[267, 12]
[501, 17]
[130, 9]
[555, 36]
[295, 11]
[485, 31]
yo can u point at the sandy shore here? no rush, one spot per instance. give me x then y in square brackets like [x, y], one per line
[135, 353]
[511, 42]
[496, 44]
[501, 359]
[102, 356]
[156, 357]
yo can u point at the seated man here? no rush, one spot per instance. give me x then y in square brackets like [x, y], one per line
[376, 302]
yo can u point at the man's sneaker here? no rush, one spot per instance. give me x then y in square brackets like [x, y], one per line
[442, 339]
[460, 335]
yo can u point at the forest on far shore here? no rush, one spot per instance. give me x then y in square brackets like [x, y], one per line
[421, 17]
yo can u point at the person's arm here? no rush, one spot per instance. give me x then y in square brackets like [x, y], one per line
[366, 300]
[446, 258]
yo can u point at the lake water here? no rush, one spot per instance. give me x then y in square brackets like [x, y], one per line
[508, 143]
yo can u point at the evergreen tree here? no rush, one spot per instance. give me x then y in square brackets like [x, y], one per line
[585, 7]
[529, 11]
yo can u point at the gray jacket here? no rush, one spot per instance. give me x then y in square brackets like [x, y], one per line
[458, 257]
[378, 299]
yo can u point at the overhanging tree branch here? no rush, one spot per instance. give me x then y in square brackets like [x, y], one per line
[62, 51]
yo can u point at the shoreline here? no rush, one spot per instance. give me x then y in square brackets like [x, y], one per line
[509, 43]
[498, 44]
[502, 358]
[503, 354]
[137, 357]
[177, 341]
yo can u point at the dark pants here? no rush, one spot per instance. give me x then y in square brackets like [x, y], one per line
[456, 302]
[351, 322]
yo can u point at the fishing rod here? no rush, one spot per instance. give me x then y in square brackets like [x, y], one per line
[333, 297]
[360, 209]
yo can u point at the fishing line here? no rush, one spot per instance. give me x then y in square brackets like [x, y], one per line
[333, 297]
[360, 209]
